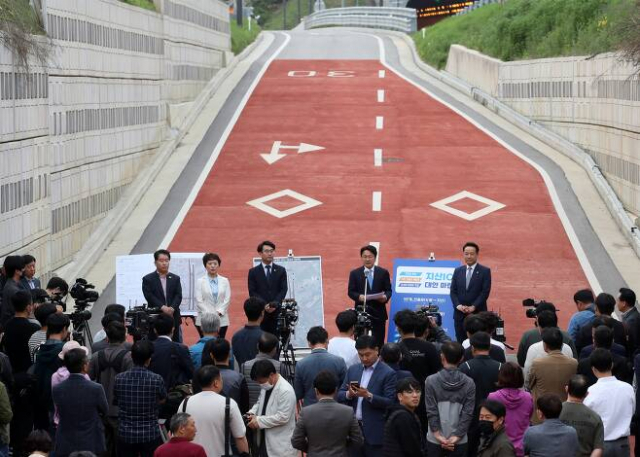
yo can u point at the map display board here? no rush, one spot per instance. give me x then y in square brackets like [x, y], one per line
[305, 286]
[131, 268]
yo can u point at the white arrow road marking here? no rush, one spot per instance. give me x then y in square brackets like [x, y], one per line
[376, 204]
[275, 155]
[380, 95]
[379, 122]
[377, 157]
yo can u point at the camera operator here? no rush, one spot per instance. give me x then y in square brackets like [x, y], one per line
[427, 329]
[533, 336]
[163, 290]
[57, 288]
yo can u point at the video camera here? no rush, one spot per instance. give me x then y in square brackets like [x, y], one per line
[287, 318]
[83, 297]
[430, 311]
[363, 322]
[531, 306]
[139, 321]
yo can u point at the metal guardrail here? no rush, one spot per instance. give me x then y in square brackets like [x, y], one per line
[399, 19]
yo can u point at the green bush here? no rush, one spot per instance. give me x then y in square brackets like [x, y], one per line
[275, 20]
[146, 4]
[241, 37]
[529, 29]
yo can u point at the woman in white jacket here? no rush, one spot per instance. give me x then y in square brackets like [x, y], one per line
[213, 293]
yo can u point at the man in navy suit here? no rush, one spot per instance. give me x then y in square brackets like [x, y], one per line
[29, 280]
[470, 288]
[378, 281]
[170, 359]
[369, 387]
[163, 290]
[268, 281]
[81, 405]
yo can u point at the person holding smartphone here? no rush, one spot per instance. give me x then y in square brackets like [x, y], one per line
[369, 388]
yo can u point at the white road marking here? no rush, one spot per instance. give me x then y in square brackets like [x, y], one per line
[562, 214]
[380, 95]
[377, 157]
[381, 73]
[305, 203]
[376, 201]
[216, 151]
[379, 122]
[376, 244]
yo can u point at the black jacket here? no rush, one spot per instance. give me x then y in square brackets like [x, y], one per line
[585, 336]
[476, 295]
[273, 290]
[403, 435]
[497, 445]
[154, 294]
[172, 361]
[381, 283]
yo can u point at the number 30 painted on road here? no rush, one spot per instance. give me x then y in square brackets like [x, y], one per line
[330, 74]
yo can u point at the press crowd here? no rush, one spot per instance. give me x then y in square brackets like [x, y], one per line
[569, 392]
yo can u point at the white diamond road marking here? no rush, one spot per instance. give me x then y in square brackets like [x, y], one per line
[492, 205]
[306, 203]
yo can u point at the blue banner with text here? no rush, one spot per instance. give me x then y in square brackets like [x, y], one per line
[418, 283]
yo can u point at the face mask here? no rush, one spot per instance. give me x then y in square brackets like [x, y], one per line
[266, 386]
[485, 428]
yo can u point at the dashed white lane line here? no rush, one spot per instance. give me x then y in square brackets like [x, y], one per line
[380, 95]
[379, 122]
[381, 73]
[377, 157]
[376, 244]
[376, 203]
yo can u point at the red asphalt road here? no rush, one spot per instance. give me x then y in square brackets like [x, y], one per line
[436, 153]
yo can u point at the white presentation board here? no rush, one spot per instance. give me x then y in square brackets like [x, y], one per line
[131, 268]
[305, 285]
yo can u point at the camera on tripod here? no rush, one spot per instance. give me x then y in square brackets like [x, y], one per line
[430, 311]
[83, 297]
[288, 317]
[531, 306]
[139, 321]
[363, 322]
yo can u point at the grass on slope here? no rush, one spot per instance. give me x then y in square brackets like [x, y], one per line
[241, 37]
[274, 22]
[529, 29]
[146, 4]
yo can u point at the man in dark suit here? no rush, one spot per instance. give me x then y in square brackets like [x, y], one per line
[326, 428]
[170, 359]
[369, 387]
[605, 306]
[631, 319]
[81, 405]
[470, 288]
[13, 266]
[163, 290]
[268, 281]
[378, 281]
[29, 280]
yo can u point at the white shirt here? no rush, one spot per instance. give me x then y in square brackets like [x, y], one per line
[264, 267]
[344, 347]
[614, 401]
[207, 410]
[466, 343]
[536, 351]
[367, 373]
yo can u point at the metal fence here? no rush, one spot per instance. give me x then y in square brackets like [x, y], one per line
[478, 4]
[399, 19]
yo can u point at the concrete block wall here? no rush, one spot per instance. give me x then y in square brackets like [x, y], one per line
[75, 134]
[593, 102]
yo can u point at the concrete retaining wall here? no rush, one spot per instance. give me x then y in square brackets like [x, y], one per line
[75, 134]
[592, 102]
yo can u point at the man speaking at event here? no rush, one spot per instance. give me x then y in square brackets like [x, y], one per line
[378, 291]
[268, 281]
[470, 288]
[163, 290]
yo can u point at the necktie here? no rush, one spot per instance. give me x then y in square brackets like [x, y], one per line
[469, 271]
[268, 272]
[370, 279]
[31, 285]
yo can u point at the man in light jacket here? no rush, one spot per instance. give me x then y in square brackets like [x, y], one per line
[274, 415]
